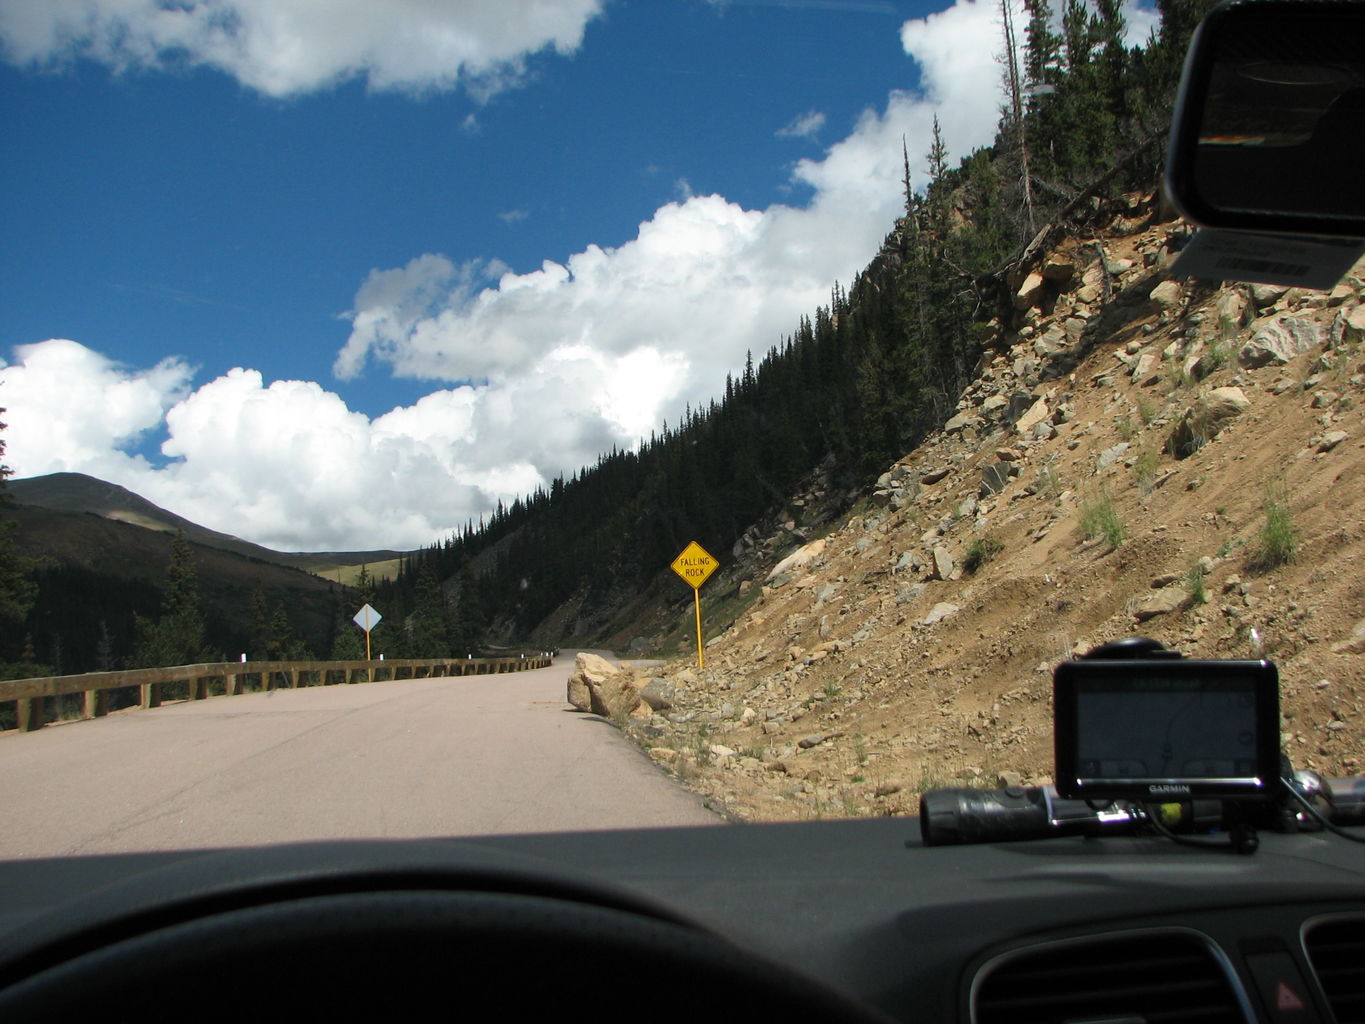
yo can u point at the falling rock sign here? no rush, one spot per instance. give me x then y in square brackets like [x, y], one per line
[695, 565]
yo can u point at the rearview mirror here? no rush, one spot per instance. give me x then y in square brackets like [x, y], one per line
[1269, 131]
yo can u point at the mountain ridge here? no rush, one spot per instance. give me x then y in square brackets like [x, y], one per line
[80, 492]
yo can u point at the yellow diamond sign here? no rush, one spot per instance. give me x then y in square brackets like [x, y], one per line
[694, 565]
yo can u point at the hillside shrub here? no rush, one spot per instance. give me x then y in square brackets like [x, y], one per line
[980, 551]
[1278, 540]
[1194, 584]
[1099, 518]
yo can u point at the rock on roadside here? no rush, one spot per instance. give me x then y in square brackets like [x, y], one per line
[601, 688]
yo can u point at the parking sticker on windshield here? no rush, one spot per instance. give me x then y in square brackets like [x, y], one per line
[1218, 255]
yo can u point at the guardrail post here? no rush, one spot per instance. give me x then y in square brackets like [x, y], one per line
[293, 678]
[230, 684]
[30, 713]
[198, 688]
[150, 694]
[96, 703]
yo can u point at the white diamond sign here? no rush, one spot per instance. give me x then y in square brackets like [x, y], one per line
[367, 618]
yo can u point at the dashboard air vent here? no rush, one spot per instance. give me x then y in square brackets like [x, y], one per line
[1147, 976]
[1336, 949]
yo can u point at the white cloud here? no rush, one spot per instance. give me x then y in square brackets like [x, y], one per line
[956, 50]
[71, 408]
[285, 464]
[283, 49]
[807, 126]
[1142, 19]
[549, 368]
[704, 280]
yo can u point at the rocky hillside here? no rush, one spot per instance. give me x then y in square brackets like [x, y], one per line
[1138, 456]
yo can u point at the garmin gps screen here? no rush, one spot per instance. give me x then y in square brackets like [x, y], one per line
[1150, 729]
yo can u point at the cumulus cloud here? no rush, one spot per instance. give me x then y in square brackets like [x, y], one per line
[287, 464]
[671, 311]
[807, 126]
[284, 49]
[72, 408]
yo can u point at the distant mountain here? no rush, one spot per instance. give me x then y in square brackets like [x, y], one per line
[77, 492]
[95, 572]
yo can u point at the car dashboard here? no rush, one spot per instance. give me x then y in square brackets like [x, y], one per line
[1064, 929]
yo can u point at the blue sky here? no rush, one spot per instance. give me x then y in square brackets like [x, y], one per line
[344, 274]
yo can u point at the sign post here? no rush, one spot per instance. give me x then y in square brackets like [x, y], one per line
[367, 618]
[695, 565]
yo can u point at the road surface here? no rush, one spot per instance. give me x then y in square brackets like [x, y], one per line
[469, 755]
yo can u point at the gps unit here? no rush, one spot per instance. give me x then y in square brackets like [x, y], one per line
[1166, 730]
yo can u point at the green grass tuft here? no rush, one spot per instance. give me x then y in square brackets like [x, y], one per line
[1099, 518]
[1279, 540]
[980, 551]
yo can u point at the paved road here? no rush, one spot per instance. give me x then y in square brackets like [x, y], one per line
[472, 755]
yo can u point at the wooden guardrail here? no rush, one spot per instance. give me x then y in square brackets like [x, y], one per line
[232, 677]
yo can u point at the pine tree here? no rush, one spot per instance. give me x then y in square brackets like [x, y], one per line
[427, 627]
[17, 593]
[177, 637]
[17, 590]
[283, 645]
[261, 638]
[1012, 127]
[467, 624]
[938, 154]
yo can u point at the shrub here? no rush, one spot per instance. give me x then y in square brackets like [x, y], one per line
[1100, 519]
[981, 551]
[1144, 468]
[1279, 540]
[1194, 584]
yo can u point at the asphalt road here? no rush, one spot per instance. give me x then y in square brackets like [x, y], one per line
[474, 755]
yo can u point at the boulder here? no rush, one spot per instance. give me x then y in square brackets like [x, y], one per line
[960, 422]
[1331, 439]
[1146, 369]
[994, 404]
[578, 694]
[993, 479]
[1203, 420]
[1058, 268]
[799, 559]
[658, 694]
[1163, 602]
[1280, 341]
[1353, 644]
[611, 692]
[589, 669]
[1029, 292]
[943, 563]
[1037, 413]
[939, 612]
[1051, 342]
[1264, 295]
[1349, 326]
[1231, 310]
[1166, 295]
[1111, 455]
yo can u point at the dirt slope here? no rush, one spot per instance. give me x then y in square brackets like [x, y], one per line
[881, 666]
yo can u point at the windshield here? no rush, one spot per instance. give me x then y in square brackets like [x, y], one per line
[810, 367]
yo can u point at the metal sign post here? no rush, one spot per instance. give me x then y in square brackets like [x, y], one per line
[695, 565]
